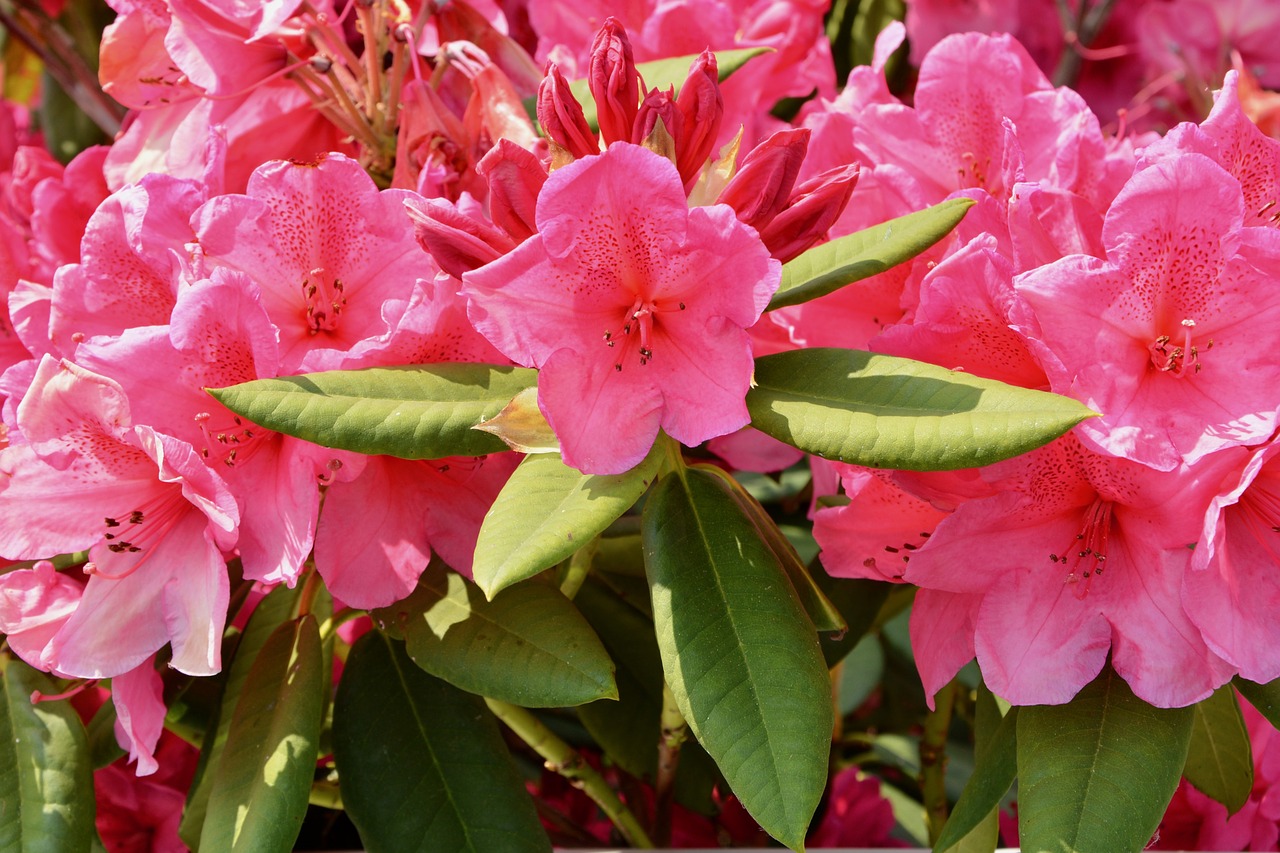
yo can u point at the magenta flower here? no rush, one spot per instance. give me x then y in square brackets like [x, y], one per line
[634, 307]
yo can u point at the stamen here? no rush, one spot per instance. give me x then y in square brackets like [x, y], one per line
[1178, 360]
[1087, 556]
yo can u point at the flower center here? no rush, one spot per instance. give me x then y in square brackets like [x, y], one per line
[1086, 557]
[323, 299]
[139, 530]
[1176, 354]
[230, 444]
[639, 319]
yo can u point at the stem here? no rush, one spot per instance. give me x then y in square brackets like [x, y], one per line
[564, 759]
[578, 567]
[368, 14]
[674, 733]
[47, 39]
[310, 588]
[933, 759]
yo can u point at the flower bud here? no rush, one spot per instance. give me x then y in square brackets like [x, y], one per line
[615, 85]
[458, 242]
[657, 108]
[515, 177]
[701, 109]
[762, 187]
[814, 207]
[561, 116]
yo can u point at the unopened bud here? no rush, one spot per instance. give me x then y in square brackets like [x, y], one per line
[814, 207]
[456, 241]
[515, 178]
[615, 85]
[701, 108]
[762, 187]
[561, 116]
[658, 108]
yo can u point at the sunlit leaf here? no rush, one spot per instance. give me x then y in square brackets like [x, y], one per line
[889, 412]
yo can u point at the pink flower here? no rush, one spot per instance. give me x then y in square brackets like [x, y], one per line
[857, 815]
[141, 815]
[633, 306]
[1170, 336]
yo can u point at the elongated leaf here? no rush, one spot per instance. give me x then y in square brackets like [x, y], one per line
[827, 268]
[263, 779]
[528, 646]
[993, 774]
[419, 412]
[1220, 759]
[421, 764]
[1097, 773]
[269, 614]
[662, 74]
[545, 512]
[739, 653]
[858, 600]
[46, 776]
[888, 412]
[1264, 697]
[821, 611]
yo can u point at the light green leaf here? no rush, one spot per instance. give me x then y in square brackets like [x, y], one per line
[888, 412]
[528, 646]
[46, 777]
[827, 268]
[738, 651]
[993, 774]
[663, 74]
[421, 764]
[1097, 773]
[546, 511]
[417, 412]
[262, 782]
[1220, 759]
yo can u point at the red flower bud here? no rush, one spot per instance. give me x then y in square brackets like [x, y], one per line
[515, 177]
[658, 106]
[561, 116]
[814, 207]
[701, 108]
[457, 241]
[762, 187]
[615, 85]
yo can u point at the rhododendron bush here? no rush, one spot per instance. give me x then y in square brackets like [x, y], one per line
[483, 426]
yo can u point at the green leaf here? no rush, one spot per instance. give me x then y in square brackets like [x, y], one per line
[262, 781]
[547, 511]
[1097, 773]
[528, 646]
[269, 614]
[738, 651]
[416, 412]
[1264, 697]
[822, 613]
[661, 74]
[858, 600]
[888, 412]
[1220, 759]
[46, 778]
[993, 774]
[827, 268]
[421, 764]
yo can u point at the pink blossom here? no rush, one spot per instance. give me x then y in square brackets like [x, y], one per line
[857, 814]
[34, 604]
[141, 815]
[1169, 336]
[1080, 556]
[138, 696]
[633, 306]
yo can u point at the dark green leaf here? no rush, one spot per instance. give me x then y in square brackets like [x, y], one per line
[993, 774]
[528, 646]
[858, 600]
[422, 764]
[416, 412]
[827, 268]
[46, 778]
[1220, 759]
[269, 614]
[546, 511]
[263, 779]
[738, 651]
[1097, 773]
[888, 412]
[1264, 697]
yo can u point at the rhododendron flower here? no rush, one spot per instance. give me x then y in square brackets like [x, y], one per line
[633, 306]
[1170, 337]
